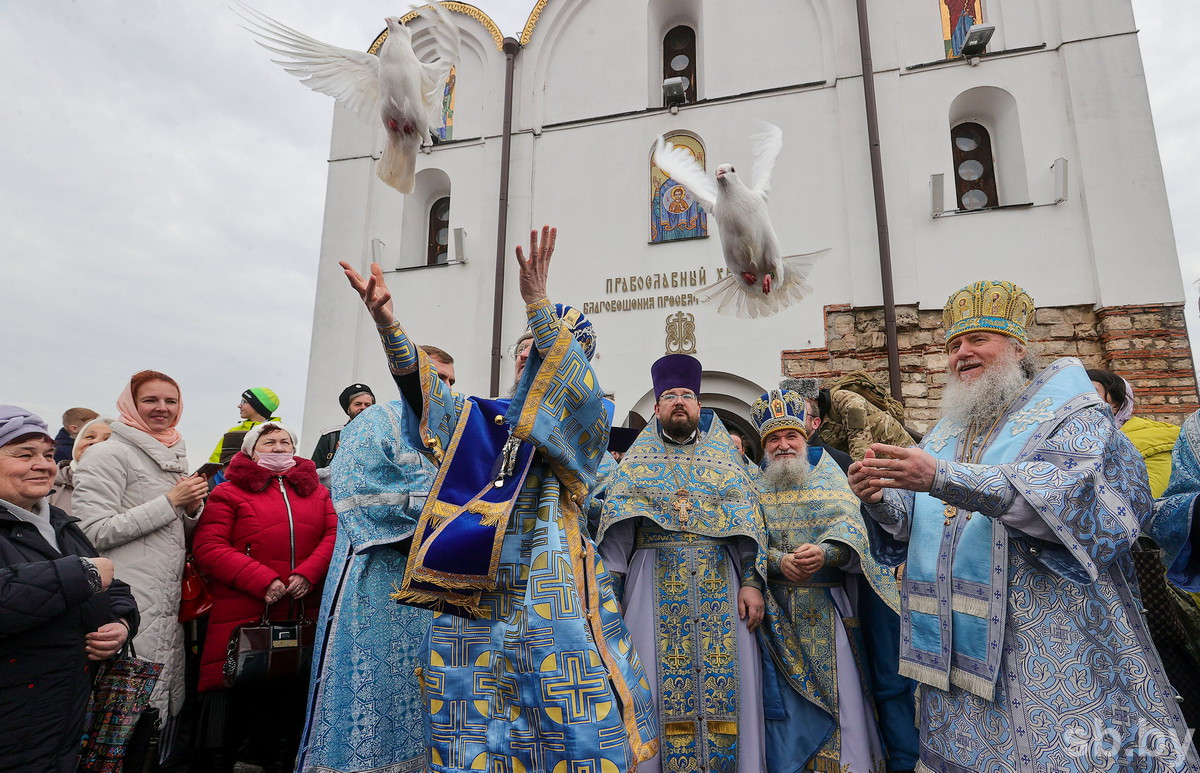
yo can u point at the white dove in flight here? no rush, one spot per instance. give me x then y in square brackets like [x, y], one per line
[403, 91]
[761, 281]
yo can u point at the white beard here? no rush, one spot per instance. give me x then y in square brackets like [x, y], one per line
[981, 400]
[787, 472]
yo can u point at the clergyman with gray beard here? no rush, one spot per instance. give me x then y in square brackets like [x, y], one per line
[820, 568]
[1016, 516]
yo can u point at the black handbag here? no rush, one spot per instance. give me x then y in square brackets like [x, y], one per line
[141, 756]
[270, 650]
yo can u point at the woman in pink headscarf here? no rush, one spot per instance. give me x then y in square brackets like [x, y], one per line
[137, 504]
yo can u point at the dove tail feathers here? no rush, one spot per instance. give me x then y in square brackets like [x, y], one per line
[733, 297]
[397, 167]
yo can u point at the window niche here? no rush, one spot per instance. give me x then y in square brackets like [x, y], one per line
[674, 214]
[426, 229]
[987, 150]
[679, 59]
[674, 48]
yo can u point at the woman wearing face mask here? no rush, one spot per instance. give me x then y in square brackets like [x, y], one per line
[266, 539]
[137, 503]
[95, 431]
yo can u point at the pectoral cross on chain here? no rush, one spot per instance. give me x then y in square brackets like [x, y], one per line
[683, 507]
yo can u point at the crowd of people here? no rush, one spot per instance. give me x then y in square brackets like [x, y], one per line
[515, 584]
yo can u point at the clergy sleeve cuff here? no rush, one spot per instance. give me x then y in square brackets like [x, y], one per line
[887, 511]
[400, 350]
[837, 555]
[775, 562]
[977, 488]
[750, 577]
[543, 323]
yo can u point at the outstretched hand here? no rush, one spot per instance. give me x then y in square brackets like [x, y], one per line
[374, 292]
[535, 270]
[896, 467]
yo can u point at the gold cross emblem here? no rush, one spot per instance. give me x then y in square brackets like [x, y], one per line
[683, 506]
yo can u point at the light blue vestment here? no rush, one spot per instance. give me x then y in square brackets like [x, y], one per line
[365, 711]
[536, 671]
[1029, 644]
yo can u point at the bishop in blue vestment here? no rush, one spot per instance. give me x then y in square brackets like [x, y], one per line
[528, 664]
[1017, 515]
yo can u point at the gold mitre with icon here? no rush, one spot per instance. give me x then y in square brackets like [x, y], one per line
[990, 306]
[776, 410]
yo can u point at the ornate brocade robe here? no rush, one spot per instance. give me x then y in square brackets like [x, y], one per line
[683, 526]
[818, 708]
[365, 709]
[528, 665]
[1017, 616]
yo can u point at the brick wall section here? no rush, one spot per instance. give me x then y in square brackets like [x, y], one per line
[1146, 344]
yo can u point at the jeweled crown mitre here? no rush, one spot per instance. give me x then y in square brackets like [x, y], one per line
[990, 306]
[776, 410]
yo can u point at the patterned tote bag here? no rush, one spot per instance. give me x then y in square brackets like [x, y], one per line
[121, 694]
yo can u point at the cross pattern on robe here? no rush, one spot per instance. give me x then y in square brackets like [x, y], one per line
[525, 640]
[713, 582]
[457, 733]
[964, 742]
[500, 603]
[457, 642]
[674, 584]
[538, 742]
[678, 656]
[552, 588]
[580, 689]
[1120, 714]
[506, 695]
[719, 656]
[812, 616]
[1061, 636]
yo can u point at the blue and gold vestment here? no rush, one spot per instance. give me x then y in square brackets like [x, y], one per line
[529, 665]
[1017, 616]
[682, 523]
[365, 709]
[801, 627]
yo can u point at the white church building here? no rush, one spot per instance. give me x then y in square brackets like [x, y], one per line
[1031, 158]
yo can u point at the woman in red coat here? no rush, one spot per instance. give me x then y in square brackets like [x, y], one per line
[265, 538]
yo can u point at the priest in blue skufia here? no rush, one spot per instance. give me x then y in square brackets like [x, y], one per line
[817, 702]
[1017, 515]
[682, 526]
[365, 710]
[529, 666]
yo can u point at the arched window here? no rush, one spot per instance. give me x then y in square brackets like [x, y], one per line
[679, 58]
[974, 168]
[674, 214]
[957, 18]
[437, 245]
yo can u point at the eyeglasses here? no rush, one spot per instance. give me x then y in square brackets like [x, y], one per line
[669, 399]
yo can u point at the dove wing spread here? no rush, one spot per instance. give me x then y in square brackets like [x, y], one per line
[682, 167]
[435, 74]
[351, 77]
[767, 145]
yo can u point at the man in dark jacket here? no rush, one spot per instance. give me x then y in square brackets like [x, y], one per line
[61, 611]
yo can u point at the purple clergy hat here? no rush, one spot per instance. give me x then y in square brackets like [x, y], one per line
[675, 371]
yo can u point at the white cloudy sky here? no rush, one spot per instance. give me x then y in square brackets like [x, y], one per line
[162, 189]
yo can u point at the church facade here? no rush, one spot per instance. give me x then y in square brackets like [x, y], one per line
[1033, 161]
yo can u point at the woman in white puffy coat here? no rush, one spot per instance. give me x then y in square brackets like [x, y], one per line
[136, 503]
